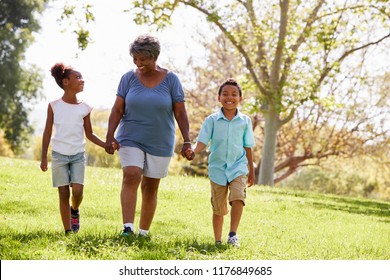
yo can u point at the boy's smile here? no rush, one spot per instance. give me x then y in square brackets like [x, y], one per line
[230, 97]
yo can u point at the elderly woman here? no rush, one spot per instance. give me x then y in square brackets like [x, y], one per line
[148, 101]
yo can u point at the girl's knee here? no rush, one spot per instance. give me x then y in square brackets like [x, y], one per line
[77, 190]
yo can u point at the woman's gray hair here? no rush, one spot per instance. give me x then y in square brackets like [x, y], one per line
[147, 45]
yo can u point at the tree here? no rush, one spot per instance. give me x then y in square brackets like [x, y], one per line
[347, 124]
[19, 85]
[291, 49]
[320, 129]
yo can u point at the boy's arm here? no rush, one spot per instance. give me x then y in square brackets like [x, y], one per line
[46, 137]
[251, 175]
[197, 148]
[89, 132]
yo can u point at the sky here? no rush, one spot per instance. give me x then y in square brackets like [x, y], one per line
[103, 62]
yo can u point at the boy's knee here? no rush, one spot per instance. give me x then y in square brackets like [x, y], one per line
[237, 202]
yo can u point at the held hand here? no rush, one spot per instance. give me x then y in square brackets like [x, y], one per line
[115, 145]
[111, 145]
[189, 154]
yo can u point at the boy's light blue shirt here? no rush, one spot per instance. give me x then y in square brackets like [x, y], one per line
[227, 159]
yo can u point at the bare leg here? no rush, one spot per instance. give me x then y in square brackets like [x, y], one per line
[217, 226]
[131, 179]
[64, 195]
[235, 214]
[77, 195]
[149, 188]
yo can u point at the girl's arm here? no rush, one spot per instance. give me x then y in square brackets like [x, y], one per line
[251, 175]
[46, 137]
[89, 132]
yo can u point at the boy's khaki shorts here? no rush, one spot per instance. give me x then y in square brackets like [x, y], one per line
[220, 197]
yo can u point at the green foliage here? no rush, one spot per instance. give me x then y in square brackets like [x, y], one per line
[277, 224]
[20, 85]
[78, 18]
[358, 177]
[5, 149]
[158, 12]
[292, 53]
[292, 50]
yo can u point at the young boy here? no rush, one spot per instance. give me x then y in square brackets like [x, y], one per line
[230, 166]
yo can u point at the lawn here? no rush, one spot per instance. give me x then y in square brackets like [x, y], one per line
[277, 224]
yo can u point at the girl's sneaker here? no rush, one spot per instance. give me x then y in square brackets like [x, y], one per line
[75, 220]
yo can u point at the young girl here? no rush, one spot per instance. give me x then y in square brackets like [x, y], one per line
[71, 118]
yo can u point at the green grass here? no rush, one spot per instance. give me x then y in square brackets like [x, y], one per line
[277, 224]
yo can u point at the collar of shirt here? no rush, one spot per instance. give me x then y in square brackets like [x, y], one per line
[222, 116]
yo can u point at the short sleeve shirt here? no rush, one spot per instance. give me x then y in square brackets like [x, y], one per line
[68, 137]
[148, 122]
[227, 139]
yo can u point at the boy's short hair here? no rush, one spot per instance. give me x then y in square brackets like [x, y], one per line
[231, 82]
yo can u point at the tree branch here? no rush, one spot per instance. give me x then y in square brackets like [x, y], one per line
[276, 63]
[326, 70]
[260, 58]
[239, 47]
[301, 39]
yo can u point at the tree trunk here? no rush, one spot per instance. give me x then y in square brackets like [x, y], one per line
[267, 161]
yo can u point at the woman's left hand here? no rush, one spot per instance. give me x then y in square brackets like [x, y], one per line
[187, 152]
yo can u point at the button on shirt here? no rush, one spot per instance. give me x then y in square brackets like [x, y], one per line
[227, 159]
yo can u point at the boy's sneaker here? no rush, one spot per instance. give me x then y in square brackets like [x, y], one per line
[218, 243]
[127, 232]
[75, 220]
[233, 240]
[143, 233]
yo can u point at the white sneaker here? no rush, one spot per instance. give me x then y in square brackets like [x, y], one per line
[143, 233]
[233, 241]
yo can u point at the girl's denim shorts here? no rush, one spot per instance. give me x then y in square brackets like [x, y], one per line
[68, 169]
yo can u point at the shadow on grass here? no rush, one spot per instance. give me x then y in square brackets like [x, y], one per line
[43, 244]
[368, 208]
[346, 204]
[141, 248]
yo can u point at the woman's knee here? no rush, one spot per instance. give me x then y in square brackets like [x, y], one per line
[150, 186]
[131, 176]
